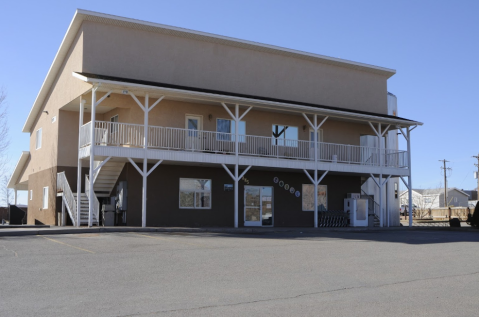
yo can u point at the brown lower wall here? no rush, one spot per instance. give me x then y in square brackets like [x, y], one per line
[36, 182]
[163, 196]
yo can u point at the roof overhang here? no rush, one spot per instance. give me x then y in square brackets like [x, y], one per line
[84, 15]
[118, 86]
[17, 173]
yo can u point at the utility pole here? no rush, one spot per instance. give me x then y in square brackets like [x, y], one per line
[445, 169]
[477, 176]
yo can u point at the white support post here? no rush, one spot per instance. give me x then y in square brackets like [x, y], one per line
[381, 212]
[315, 126]
[79, 168]
[144, 173]
[315, 171]
[92, 155]
[316, 182]
[15, 196]
[63, 224]
[145, 162]
[236, 118]
[410, 174]
[237, 164]
[146, 110]
[385, 186]
[236, 179]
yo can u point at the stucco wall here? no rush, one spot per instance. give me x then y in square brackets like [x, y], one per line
[124, 52]
[65, 89]
[36, 182]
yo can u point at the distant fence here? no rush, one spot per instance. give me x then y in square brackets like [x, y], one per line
[444, 213]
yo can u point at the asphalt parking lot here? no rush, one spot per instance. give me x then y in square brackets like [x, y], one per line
[384, 273]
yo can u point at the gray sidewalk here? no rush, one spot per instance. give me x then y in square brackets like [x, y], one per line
[46, 230]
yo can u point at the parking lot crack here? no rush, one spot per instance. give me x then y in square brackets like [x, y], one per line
[14, 253]
[303, 295]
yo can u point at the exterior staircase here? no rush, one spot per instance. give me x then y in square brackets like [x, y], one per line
[373, 207]
[84, 210]
[104, 181]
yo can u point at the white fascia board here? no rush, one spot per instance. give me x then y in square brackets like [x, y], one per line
[12, 182]
[248, 101]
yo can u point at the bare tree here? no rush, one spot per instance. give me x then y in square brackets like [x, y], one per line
[6, 194]
[4, 136]
[423, 202]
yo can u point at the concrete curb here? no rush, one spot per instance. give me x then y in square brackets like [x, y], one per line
[72, 230]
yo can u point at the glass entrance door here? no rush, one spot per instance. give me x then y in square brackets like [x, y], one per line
[258, 206]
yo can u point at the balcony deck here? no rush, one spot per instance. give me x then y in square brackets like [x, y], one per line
[174, 144]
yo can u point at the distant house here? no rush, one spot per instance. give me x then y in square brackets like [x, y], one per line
[434, 198]
[472, 194]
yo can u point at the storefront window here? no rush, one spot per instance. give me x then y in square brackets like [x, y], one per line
[195, 193]
[308, 197]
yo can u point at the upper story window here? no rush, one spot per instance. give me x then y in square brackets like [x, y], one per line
[38, 141]
[228, 126]
[114, 127]
[285, 135]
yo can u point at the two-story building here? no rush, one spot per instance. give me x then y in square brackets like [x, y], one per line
[187, 128]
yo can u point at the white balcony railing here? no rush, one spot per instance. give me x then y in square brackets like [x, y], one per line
[68, 197]
[132, 135]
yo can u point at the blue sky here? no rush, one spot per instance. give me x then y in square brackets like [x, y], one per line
[433, 45]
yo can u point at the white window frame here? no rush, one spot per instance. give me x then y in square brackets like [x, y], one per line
[45, 201]
[38, 140]
[302, 196]
[284, 125]
[241, 137]
[194, 194]
[31, 194]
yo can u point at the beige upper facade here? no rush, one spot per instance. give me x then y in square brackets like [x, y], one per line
[182, 61]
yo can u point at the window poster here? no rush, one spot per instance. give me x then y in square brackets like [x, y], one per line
[308, 197]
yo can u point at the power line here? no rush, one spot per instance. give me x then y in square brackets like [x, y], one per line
[445, 170]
